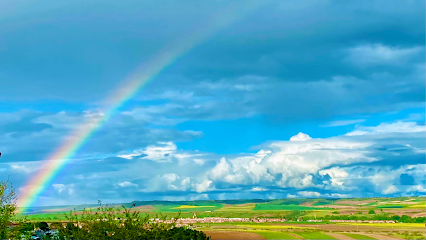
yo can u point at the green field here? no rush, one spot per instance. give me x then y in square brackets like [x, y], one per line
[314, 235]
[392, 206]
[274, 234]
[357, 236]
[288, 207]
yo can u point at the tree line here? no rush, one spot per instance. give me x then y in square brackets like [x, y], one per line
[103, 223]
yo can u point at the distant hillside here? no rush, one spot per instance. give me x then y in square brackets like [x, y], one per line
[352, 205]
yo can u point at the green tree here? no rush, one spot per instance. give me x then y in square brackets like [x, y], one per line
[43, 226]
[7, 207]
[371, 211]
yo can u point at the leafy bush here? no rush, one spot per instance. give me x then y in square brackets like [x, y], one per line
[371, 212]
[7, 207]
[294, 215]
[43, 226]
[107, 223]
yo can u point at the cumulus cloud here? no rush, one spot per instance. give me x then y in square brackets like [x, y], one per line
[300, 137]
[203, 186]
[336, 174]
[309, 194]
[390, 189]
[349, 165]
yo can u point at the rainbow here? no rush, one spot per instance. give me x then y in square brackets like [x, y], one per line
[63, 155]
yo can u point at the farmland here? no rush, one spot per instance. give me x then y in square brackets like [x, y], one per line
[407, 213]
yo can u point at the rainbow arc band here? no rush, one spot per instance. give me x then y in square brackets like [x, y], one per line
[132, 85]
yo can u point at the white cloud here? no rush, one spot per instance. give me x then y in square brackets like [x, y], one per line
[258, 172]
[197, 197]
[337, 195]
[297, 182]
[127, 184]
[221, 170]
[309, 194]
[198, 161]
[162, 152]
[378, 54]
[167, 182]
[337, 175]
[258, 189]
[203, 186]
[343, 123]
[416, 188]
[390, 189]
[59, 187]
[300, 137]
[22, 168]
[299, 166]
[63, 187]
[395, 127]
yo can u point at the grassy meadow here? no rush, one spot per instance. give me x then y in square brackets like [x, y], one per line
[291, 209]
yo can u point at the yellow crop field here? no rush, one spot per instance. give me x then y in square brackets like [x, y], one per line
[192, 206]
[261, 226]
[236, 208]
[389, 225]
[417, 206]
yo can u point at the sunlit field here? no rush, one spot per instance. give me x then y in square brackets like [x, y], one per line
[299, 213]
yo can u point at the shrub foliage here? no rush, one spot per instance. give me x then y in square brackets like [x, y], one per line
[109, 223]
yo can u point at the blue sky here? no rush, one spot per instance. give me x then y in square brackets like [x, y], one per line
[285, 99]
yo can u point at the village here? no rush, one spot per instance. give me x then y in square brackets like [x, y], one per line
[186, 221]
[361, 221]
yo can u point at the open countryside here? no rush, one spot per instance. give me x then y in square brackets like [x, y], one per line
[212, 119]
[364, 218]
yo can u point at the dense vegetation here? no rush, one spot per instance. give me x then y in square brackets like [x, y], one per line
[383, 216]
[103, 223]
[7, 207]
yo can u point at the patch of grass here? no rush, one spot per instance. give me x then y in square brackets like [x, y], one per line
[417, 205]
[406, 236]
[253, 226]
[236, 208]
[323, 202]
[391, 206]
[357, 236]
[273, 234]
[390, 225]
[43, 217]
[318, 213]
[294, 201]
[370, 204]
[185, 208]
[283, 207]
[314, 235]
[267, 226]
